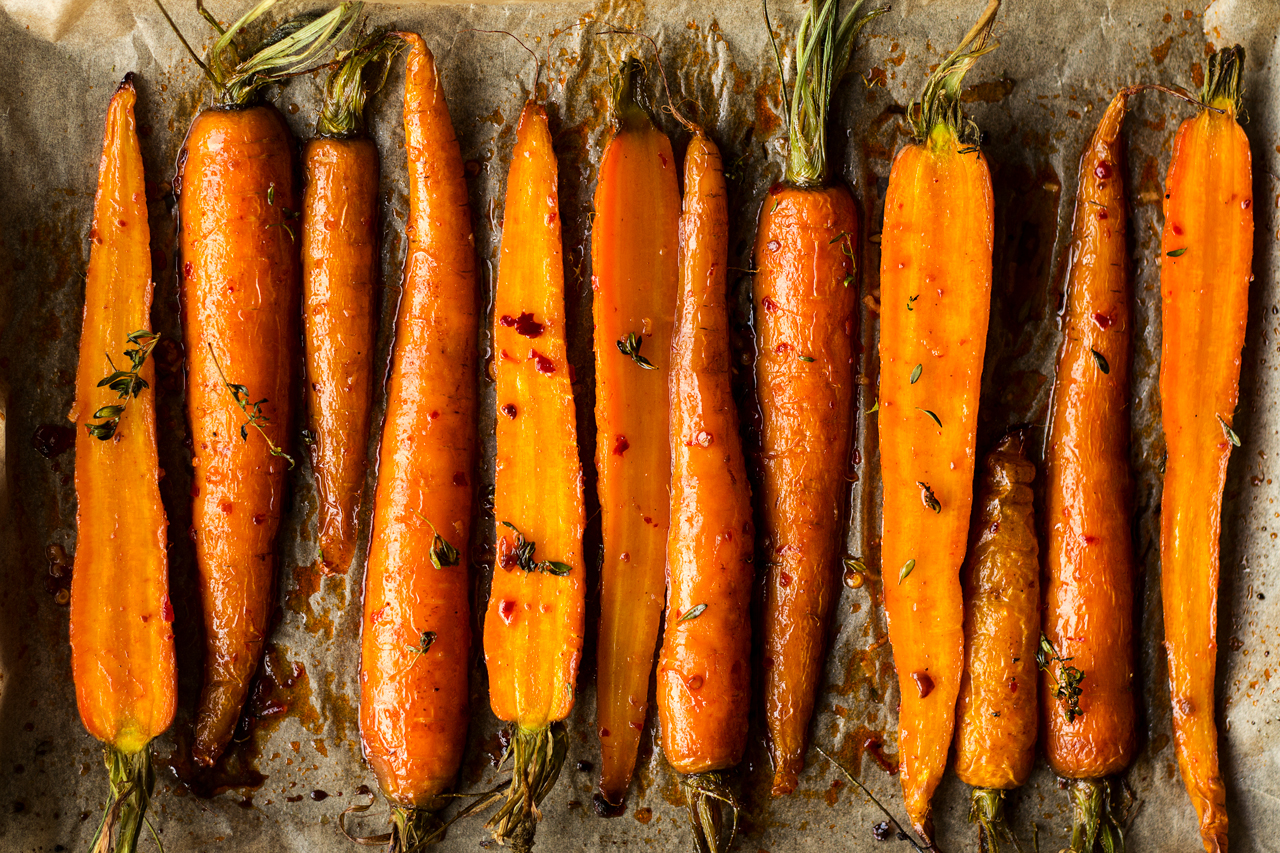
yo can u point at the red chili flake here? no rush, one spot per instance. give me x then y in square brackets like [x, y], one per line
[506, 320]
[1089, 540]
[259, 518]
[604, 733]
[784, 579]
[507, 610]
[527, 326]
[1104, 321]
[620, 445]
[507, 557]
[509, 410]
[768, 304]
[460, 479]
[775, 189]
[773, 245]
[1102, 170]
[187, 270]
[663, 157]
[226, 507]
[1013, 685]
[1246, 203]
[1102, 214]
[433, 415]
[544, 364]
[923, 683]
[782, 347]
[166, 610]
[1177, 229]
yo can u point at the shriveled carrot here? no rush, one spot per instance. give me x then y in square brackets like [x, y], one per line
[996, 716]
[416, 640]
[805, 296]
[122, 655]
[935, 294]
[1207, 256]
[339, 294]
[1086, 689]
[240, 281]
[633, 277]
[704, 673]
[534, 622]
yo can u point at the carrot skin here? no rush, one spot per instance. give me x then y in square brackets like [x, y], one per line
[805, 300]
[704, 671]
[413, 704]
[634, 279]
[240, 288]
[996, 715]
[122, 653]
[1208, 212]
[1088, 615]
[340, 277]
[935, 293]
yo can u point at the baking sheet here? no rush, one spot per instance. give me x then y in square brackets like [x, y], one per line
[296, 764]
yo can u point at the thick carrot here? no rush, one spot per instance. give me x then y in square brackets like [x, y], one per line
[634, 275]
[534, 622]
[240, 281]
[416, 640]
[1207, 255]
[935, 293]
[805, 295]
[122, 654]
[996, 714]
[704, 673]
[1086, 689]
[339, 294]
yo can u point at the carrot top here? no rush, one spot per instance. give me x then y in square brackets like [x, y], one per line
[824, 45]
[624, 109]
[937, 117]
[1222, 83]
[342, 112]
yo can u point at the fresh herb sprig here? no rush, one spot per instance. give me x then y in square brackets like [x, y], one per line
[126, 383]
[1068, 678]
[629, 344]
[524, 551]
[253, 411]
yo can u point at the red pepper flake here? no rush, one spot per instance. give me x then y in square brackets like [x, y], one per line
[1102, 214]
[782, 347]
[509, 410]
[507, 610]
[784, 579]
[460, 479]
[527, 326]
[923, 683]
[620, 445]
[773, 245]
[544, 364]
[507, 556]
[1013, 685]
[1246, 203]
[433, 415]
[166, 610]
[1177, 229]
[1104, 321]
[187, 270]
[506, 320]
[775, 189]
[1102, 170]
[226, 507]
[768, 304]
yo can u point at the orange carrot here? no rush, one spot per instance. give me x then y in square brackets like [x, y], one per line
[1207, 255]
[416, 640]
[634, 274]
[122, 654]
[935, 293]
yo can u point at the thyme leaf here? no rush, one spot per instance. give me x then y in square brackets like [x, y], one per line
[253, 411]
[806, 358]
[931, 415]
[1068, 678]
[1177, 253]
[911, 302]
[1101, 361]
[907, 568]
[928, 498]
[425, 642]
[692, 613]
[523, 556]
[629, 344]
[1226, 430]
[915, 373]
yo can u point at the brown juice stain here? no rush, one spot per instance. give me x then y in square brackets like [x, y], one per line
[989, 91]
[1161, 51]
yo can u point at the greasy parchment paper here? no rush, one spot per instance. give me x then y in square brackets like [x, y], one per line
[297, 762]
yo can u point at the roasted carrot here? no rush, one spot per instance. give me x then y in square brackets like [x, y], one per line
[122, 655]
[633, 279]
[935, 294]
[1207, 255]
[996, 715]
[416, 640]
[534, 622]
[339, 294]
[1086, 689]
[805, 296]
[240, 280]
[704, 672]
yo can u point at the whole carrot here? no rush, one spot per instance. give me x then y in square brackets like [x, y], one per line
[534, 622]
[996, 714]
[240, 279]
[1207, 255]
[805, 296]
[1086, 689]
[416, 639]
[704, 673]
[122, 654]
[935, 294]
[339, 294]
[633, 278]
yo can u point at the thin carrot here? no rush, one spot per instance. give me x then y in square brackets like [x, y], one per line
[534, 622]
[339, 293]
[1207, 255]
[996, 715]
[122, 654]
[704, 673]
[416, 639]
[634, 275]
[805, 296]
[240, 281]
[935, 294]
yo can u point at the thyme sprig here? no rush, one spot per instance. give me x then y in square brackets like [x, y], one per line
[524, 556]
[1068, 678]
[629, 344]
[253, 411]
[443, 554]
[126, 383]
[425, 642]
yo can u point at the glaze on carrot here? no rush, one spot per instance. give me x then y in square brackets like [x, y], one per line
[634, 275]
[805, 298]
[935, 294]
[416, 639]
[1206, 257]
[122, 654]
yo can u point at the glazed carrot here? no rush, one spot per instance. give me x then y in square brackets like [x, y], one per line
[534, 622]
[996, 714]
[339, 294]
[1207, 254]
[416, 640]
[704, 672]
[240, 279]
[805, 296]
[935, 292]
[122, 655]
[634, 274]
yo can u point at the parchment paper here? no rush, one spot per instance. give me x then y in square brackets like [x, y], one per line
[297, 763]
